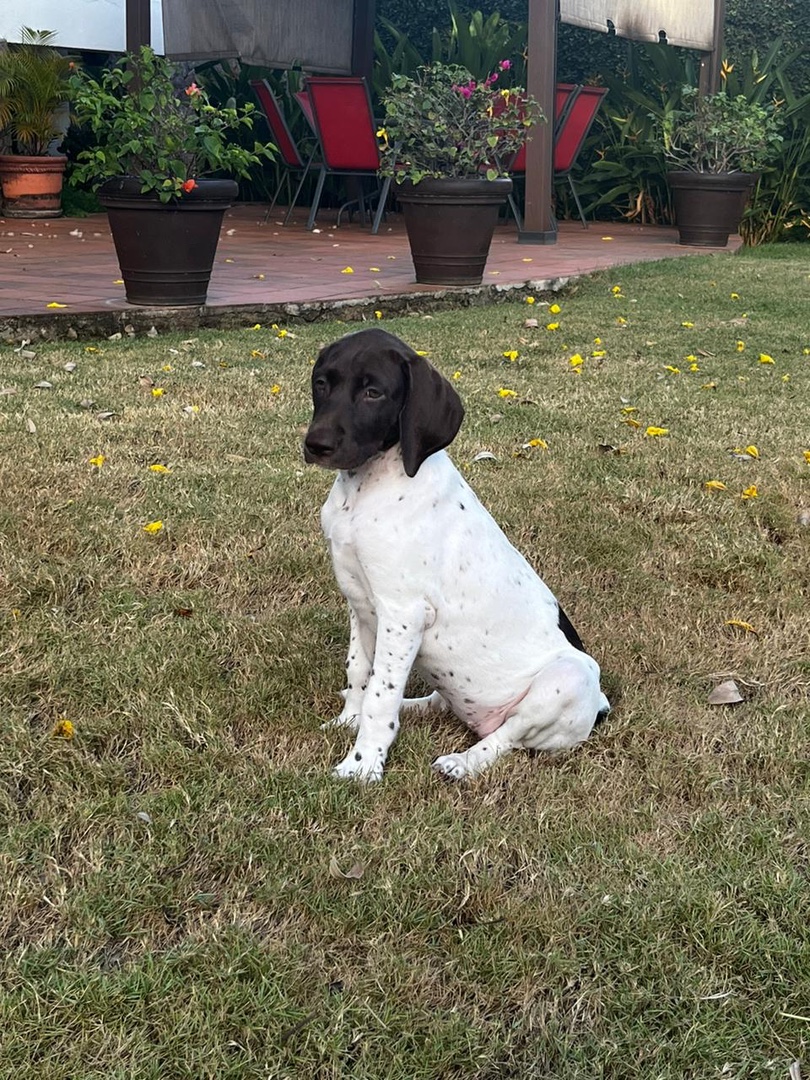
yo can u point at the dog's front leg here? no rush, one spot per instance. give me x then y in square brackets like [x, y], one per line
[399, 635]
[358, 670]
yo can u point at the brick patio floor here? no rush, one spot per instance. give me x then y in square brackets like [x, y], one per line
[262, 266]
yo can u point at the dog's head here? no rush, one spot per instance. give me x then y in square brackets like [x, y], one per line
[370, 391]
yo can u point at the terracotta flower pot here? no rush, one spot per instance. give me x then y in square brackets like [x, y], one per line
[32, 186]
[450, 223]
[166, 250]
[709, 206]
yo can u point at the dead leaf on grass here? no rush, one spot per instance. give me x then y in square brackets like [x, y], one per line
[44, 385]
[725, 693]
[31, 426]
[354, 873]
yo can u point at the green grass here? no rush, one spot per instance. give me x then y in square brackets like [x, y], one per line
[172, 905]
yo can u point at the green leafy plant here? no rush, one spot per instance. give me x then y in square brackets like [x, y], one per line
[166, 137]
[719, 133]
[443, 123]
[34, 83]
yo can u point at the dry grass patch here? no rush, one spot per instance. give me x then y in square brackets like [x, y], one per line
[172, 874]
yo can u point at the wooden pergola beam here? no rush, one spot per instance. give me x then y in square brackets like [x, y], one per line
[139, 24]
[539, 225]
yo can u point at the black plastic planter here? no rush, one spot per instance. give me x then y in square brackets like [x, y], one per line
[709, 206]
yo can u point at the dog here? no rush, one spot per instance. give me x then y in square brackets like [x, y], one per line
[431, 581]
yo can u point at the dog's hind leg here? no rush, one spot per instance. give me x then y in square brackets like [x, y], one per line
[557, 713]
[420, 705]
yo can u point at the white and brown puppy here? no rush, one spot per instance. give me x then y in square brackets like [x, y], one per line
[430, 579]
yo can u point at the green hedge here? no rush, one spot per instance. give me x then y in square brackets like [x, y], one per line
[581, 53]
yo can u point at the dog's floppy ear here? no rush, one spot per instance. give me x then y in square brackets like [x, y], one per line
[431, 416]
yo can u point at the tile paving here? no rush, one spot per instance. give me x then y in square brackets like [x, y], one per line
[262, 264]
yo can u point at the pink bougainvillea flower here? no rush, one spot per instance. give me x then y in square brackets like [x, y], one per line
[504, 65]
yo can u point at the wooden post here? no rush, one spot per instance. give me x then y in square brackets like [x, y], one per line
[539, 225]
[362, 38]
[139, 25]
[711, 62]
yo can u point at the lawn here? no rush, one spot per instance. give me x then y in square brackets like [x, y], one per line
[189, 895]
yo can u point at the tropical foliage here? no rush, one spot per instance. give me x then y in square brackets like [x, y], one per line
[720, 133]
[34, 82]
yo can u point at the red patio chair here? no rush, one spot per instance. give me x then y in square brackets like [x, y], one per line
[575, 111]
[291, 157]
[344, 123]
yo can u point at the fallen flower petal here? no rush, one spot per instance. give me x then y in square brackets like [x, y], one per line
[97, 461]
[63, 729]
[739, 624]
[347, 270]
[715, 485]
[765, 359]
[512, 355]
[750, 492]
[652, 432]
[504, 393]
[53, 304]
[158, 468]
[153, 527]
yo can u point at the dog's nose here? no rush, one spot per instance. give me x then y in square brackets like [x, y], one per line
[319, 446]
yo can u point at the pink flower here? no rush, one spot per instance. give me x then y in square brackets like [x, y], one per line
[504, 65]
[188, 185]
[193, 89]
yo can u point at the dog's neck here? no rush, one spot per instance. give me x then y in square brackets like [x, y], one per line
[385, 465]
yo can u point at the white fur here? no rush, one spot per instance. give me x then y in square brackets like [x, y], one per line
[432, 582]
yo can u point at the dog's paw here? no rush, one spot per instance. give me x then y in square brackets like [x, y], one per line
[365, 769]
[346, 719]
[453, 766]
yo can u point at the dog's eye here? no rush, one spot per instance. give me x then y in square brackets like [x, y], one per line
[320, 385]
[371, 393]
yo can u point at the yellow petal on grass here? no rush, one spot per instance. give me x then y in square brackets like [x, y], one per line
[599, 354]
[257, 354]
[456, 374]
[653, 432]
[715, 485]
[153, 527]
[631, 422]
[765, 359]
[555, 309]
[512, 355]
[90, 348]
[687, 325]
[734, 296]
[750, 493]
[552, 326]
[616, 290]
[347, 270]
[806, 456]
[158, 391]
[275, 389]
[539, 443]
[97, 461]
[621, 321]
[576, 361]
[740, 624]
[256, 326]
[504, 393]
[158, 468]
[672, 370]
[740, 346]
[709, 386]
[530, 300]
[63, 729]
[378, 315]
[694, 367]
[751, 451]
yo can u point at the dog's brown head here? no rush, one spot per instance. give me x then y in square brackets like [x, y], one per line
[370, 391]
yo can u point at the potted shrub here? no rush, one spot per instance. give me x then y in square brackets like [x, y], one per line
[155, 143]
[447, 141]
[717, 145]
[34, 90]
